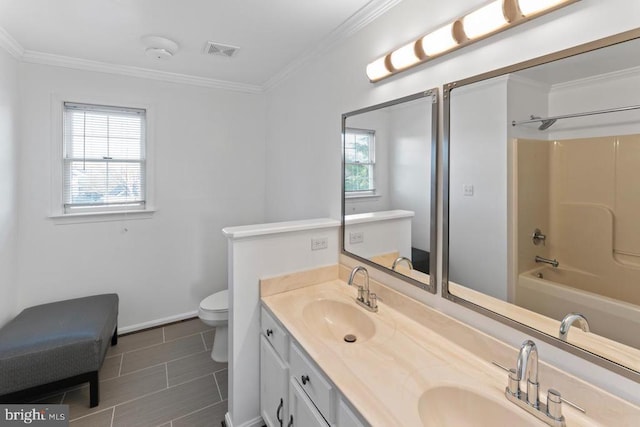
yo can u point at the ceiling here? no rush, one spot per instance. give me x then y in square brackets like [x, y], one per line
[272, 34]
[622, 56]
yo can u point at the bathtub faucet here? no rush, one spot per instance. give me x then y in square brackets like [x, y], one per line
[553, 262]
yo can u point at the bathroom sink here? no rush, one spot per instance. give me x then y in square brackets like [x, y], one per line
[462, 407]
[334, 320]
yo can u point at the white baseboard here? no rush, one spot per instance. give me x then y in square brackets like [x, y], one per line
[256, 422]
[157, 322]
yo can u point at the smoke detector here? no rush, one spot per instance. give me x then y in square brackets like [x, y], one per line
[219, 49]
[160, 48]
[158, 53]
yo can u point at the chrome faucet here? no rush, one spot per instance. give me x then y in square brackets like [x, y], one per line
[568, 320]
[365, 298]
[527, 370]
[553, 262]
[401, 259]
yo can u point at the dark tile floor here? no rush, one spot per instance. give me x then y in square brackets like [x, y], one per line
[159, 377]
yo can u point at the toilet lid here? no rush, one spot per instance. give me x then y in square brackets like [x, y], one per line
[216, 302]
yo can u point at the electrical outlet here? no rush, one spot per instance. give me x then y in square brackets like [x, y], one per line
[318, 243]
[356, 237]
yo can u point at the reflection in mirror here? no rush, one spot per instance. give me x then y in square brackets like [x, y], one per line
[543, 198]
[389, 185]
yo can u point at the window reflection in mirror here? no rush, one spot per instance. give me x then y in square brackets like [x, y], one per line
[543, 199]
[389, 183]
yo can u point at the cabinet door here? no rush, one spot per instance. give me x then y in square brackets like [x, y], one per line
[303, 412]
[274, 395]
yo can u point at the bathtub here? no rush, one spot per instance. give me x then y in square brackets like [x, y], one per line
[560, 291]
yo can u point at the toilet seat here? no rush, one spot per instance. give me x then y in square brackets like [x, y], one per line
[216, 302]
[215, 308]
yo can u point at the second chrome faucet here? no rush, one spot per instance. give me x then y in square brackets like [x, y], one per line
[527, 370]
[365, 298]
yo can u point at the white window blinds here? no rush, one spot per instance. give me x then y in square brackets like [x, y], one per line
[104, 158]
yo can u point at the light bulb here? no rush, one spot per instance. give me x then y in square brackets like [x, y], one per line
[484, 20]
[439, 41]
[377, 69]
[530, 7]
[404, 57]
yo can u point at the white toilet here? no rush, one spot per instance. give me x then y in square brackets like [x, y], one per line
[214, 311]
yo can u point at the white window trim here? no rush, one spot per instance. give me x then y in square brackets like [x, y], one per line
[366, 194]
[361, 195]
[57, 213]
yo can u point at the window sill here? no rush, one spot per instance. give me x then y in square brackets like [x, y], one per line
[362, 196]
[80, 218]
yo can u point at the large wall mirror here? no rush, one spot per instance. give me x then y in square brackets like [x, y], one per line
[542, 198]
[389, 186]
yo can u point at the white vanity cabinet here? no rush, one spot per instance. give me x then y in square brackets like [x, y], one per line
[293, 390]
[274, 372]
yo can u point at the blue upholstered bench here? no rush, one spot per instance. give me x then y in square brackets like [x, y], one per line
[57, 345]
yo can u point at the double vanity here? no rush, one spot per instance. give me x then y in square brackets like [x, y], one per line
[326, 360]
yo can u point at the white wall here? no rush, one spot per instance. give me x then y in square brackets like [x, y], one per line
[8, 185]
[384, 236]
[335, 82]
[255, 253]
[478, 222]
[208, 151]
[410, 166]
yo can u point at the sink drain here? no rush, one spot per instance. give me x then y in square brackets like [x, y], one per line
[350, 338]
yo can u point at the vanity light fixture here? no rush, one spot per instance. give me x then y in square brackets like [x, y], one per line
[492, 18]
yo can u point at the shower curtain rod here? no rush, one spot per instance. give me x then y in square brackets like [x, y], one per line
[570, 116]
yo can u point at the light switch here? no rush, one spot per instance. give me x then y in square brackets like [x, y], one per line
[467, 189]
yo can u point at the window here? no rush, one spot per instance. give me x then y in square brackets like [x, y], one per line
[104, 158]
[359, 161]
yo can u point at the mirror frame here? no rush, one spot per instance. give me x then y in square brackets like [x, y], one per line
[447, 88]
[433, 253]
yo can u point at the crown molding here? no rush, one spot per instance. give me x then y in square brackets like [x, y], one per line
[10, 44]
[525, 81]
[34, 57]
[360, 19]
[353, 24]
[613, 75]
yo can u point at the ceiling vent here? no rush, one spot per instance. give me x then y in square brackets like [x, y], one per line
[219, 49]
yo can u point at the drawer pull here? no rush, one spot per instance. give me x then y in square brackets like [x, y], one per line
[269, 332]
[290, 422]
[278, 416]
[305, 379]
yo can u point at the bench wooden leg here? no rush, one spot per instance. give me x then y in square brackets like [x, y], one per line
[114, 337]
[94, 389]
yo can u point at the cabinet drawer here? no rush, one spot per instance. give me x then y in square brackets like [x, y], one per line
[313, 382]
[303, 411]
[275, 334]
